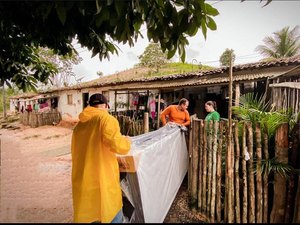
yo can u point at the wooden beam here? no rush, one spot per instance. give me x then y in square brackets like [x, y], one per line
[287, 84]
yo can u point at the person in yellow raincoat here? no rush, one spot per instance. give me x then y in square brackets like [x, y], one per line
[96, 190]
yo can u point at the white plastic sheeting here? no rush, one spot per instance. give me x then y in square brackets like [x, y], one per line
[162, 162]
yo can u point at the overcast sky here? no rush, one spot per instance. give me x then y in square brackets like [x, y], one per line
[241, 26]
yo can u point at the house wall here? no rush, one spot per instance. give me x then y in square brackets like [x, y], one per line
[12, 105]
[70, 109]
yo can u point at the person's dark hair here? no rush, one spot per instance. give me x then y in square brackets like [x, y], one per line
[182, 101]
[212, 103]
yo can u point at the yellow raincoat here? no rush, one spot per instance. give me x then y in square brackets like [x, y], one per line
[96, 190]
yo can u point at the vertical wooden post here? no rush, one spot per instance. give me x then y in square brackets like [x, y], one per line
[204, 192]
[146, 122]
[236, 176]
[115, 101]
[200, 166]
[259, 201]
[245, 183]
[4, 102]
[251, 175]
[158, 110]
[229, 164]
[216, 135]
[237, 94]
[281, 153]
[266, 181]
[195, 162]
[219, 175]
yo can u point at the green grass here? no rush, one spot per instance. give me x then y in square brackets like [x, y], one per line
[178, 68]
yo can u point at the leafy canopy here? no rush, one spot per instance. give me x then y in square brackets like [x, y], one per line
[153, 57]
[226, 56]
[97, 25]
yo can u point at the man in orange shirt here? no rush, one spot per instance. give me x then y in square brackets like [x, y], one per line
[177, 113]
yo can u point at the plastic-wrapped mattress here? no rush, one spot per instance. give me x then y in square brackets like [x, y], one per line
[161, 162]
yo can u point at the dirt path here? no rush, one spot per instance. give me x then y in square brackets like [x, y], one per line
[35, 175]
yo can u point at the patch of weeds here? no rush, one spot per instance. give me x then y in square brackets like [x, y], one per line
[54, 136]
[33, 136]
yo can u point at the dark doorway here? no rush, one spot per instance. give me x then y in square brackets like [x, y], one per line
[85, 97]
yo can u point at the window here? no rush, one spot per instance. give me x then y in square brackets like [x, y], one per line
[70, 99]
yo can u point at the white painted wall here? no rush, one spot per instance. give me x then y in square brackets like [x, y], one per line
[70, 110]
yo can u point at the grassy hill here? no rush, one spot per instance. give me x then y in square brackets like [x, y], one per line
[144, 72]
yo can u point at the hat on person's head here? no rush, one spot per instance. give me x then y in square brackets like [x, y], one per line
[97, 99]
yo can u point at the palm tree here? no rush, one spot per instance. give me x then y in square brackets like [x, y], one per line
[285, 43]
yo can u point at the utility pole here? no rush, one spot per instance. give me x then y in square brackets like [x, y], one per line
[229, 168]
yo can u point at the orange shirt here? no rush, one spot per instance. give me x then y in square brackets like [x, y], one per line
[175, 115]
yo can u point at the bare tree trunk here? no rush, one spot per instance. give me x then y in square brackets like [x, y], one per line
[281, 153]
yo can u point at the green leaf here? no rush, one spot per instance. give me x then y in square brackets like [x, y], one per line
[211, 10]
[61, 12]
[171, 53]
[183, 55]
[211, 23]
[192, 29]
[203, 26]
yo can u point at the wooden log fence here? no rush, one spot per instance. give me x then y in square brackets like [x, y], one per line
[34, 119]
[129, 126]
[245, 197]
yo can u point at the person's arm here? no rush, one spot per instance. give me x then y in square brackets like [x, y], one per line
[187, 119]
[164, 114]
[118, 143]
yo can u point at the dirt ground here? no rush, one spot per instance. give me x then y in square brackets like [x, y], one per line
[36, 178]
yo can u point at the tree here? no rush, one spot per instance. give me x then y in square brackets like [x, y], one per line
[64, 65]
[226, 57]
[284, 43]
[19, 60]
[100, 73]
[153, 57]
[97, 24]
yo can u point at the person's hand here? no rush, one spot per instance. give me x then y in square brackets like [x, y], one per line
[128, 138]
